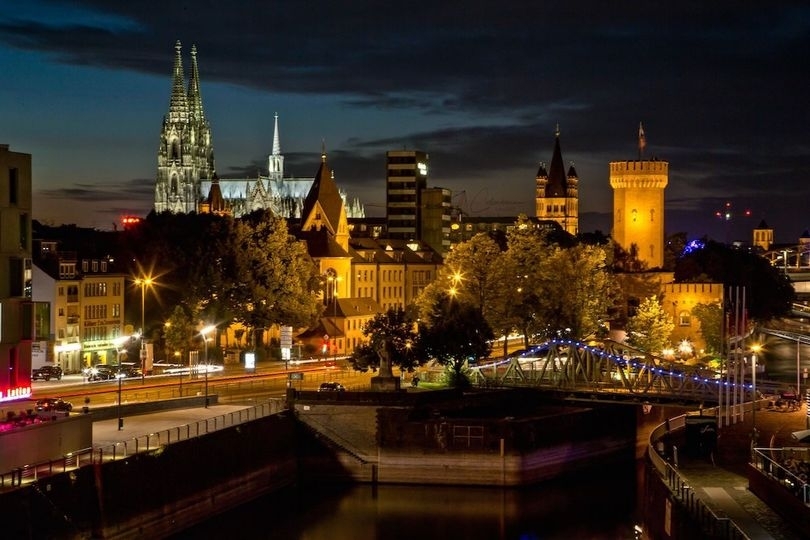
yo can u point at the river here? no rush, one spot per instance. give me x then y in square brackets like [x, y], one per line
[598, 505]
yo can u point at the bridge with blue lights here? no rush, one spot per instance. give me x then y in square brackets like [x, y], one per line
[609, 371]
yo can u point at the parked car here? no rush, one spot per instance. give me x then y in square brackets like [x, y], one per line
[46, 373]
[54, 404]
[331, 387]
[101, 372]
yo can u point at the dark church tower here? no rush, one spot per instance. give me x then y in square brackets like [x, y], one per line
[186, 153]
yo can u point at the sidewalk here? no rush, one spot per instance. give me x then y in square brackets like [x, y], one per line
[723, 486]
[106, 432]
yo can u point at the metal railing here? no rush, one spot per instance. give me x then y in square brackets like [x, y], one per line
[142, 443]
[771, 462]
[714, 524]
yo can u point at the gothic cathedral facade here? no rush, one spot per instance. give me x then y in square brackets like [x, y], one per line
[186, 152]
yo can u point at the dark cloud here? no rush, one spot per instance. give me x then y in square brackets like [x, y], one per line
[721, 86]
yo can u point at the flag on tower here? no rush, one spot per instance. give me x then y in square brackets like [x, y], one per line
[642, 140]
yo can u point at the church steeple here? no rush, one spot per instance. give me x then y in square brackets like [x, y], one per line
[275, 161]
[194, 96]
[178, 105]
[556, 193]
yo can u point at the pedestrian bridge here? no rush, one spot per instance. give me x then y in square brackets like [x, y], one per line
[607, 370]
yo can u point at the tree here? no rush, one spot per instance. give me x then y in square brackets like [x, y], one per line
[576, 289]
[391, 342]
[519, 306]
[470, 274]
[650, 328]
[455, 333]
[769, 292]
[274, 275]
[179, 329]
[710, 317]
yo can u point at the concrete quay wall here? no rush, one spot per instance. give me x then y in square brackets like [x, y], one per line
[483, 442]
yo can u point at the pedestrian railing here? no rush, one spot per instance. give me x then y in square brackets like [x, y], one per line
[789, 467]
[715, 525]
[142, 443]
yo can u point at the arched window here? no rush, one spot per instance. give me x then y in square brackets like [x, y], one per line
[175, 153]
[173, 185]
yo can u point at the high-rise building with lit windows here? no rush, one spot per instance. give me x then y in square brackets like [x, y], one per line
[405, 178]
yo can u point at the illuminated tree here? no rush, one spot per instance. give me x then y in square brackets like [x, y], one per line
[391, 342]
[710, 317]
[650, 328]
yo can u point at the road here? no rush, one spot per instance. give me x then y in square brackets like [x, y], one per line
[232, 384]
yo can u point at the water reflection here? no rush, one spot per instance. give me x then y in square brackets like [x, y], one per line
[600, 504]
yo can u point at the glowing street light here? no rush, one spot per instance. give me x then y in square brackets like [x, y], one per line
[204, 333]
[754, 351]
[143, 282]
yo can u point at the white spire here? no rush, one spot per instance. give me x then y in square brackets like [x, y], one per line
[275, 161]
[276, 143]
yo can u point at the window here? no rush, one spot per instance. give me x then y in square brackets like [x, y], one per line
[13, 185]
[685, 318]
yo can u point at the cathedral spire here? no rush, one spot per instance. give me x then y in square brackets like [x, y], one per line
[275, 161]
[194, 96]
[178, 106]
[276, 143]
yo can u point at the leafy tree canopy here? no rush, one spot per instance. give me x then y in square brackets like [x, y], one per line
[769, 292]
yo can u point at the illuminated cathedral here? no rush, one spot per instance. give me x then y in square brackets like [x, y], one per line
[186, 175]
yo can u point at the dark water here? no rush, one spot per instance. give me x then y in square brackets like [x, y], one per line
[597, 505]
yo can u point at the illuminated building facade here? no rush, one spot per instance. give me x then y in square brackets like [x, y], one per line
[17, 328]
[557, 193]
[87, 307]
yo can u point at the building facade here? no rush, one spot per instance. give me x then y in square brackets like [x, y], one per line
[406, 173]
[17, 321]
[87, 307]
[557, 193]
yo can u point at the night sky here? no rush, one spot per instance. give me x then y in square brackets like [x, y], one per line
[721, 87]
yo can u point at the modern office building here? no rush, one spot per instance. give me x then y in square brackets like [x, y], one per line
[17, 321]
[406, 173]
[436, 217]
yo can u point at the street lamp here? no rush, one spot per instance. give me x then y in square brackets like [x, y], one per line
[754, 350]
[204, 333]
[143, 282]
[118, 344]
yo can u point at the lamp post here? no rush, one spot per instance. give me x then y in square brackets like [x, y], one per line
[119, 342]
[204, 333]
[143, 282]
[754, 435]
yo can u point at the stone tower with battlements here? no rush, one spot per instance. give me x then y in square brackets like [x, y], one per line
[638, 205]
